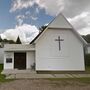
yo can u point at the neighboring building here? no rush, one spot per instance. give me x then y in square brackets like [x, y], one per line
[2, 43]
[19, 56]
[1, 55]
[57, 48]
[88, 49]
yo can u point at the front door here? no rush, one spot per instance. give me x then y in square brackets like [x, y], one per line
[20, 60]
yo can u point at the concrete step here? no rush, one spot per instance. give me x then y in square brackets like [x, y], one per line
[34, 75]
[9, 71]
[23, 76]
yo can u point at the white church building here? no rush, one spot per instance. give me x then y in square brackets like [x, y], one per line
[57, 48]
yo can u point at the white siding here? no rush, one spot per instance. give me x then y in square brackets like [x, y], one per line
[48, 56]
[8, 55]
[30, 59]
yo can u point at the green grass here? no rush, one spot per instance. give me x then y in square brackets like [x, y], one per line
[81, 80]
[2, 77]
[87, 69]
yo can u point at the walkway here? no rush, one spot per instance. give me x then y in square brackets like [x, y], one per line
[20, 74]
[29, 76]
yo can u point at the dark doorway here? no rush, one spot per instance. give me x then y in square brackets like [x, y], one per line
[20, 60]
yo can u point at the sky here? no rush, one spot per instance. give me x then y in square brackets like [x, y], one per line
[24, 17]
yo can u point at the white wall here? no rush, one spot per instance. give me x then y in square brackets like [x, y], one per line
[8, 55]
[30, 59]
[1, 55]
[48, 56]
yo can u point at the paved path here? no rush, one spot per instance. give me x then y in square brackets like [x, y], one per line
[20, 76]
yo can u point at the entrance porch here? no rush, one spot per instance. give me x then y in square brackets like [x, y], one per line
[19, 57]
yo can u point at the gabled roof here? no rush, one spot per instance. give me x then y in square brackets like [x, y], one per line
[36, 37]
[60, 22]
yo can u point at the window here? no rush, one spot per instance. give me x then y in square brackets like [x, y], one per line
[8, 60]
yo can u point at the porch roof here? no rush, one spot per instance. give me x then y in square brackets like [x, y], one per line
[19, 47]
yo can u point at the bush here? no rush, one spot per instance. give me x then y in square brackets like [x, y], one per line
[87, 60]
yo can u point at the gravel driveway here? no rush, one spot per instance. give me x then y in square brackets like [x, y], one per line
[40, 84]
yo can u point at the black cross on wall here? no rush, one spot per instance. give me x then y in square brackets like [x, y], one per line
[59, 41]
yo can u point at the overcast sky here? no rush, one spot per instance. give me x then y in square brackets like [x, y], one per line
[24, 17]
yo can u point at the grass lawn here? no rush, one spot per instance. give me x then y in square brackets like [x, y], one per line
[81, 80]
[2, 77]
[87, 69]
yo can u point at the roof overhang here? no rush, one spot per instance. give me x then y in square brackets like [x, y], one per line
[19, 47]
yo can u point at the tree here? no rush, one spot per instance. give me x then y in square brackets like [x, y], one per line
[87, 38]
[42, 28]
[5, 40]
[11, 42]
[18, 41]
[0, 39]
